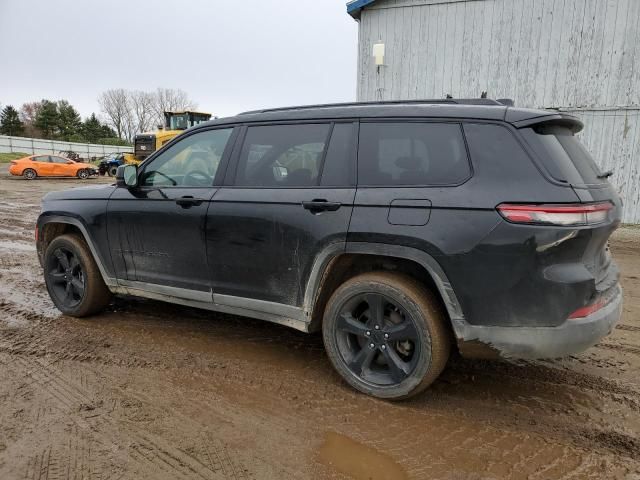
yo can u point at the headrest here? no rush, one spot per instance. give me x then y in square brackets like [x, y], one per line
[409, 163]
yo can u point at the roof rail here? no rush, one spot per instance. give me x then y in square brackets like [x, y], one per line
[455, 101]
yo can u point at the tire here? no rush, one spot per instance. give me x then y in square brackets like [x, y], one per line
[112, 170]
[29, 174]
[72, 277]
[412, 332]
[83, 174]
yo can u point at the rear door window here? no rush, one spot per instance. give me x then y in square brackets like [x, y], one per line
[340, 159]
[563, 156]
[411, 153]
[282, 155]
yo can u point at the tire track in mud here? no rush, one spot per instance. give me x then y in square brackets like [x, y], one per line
[146, 448]
[620, 347]
[334, 400]
[628, 328]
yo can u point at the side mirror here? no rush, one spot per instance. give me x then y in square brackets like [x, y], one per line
[127, 176]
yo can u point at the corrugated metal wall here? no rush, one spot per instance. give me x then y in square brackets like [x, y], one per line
[39, 145]
[582, 56]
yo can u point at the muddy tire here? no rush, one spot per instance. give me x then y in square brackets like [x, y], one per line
[386, 335]
[112, 170]
[83, 174]
[72, 277]
[29, 174]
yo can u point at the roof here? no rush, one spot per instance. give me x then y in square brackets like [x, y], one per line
[354, 7]
[479, 109]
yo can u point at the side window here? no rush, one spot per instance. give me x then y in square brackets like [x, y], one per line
[41, 158]
[192, 162]
[340, 159]
[412, 154]
[58, 160]
[282, 155]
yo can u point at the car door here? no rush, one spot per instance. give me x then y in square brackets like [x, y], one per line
[60, 167]
[408, 172]
[43, 165]
[156, 230]
[287, 200]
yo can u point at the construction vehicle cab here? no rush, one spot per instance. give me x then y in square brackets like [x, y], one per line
[174, 124]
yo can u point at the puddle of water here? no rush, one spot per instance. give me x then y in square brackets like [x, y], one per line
[23, 247]
[357, 460]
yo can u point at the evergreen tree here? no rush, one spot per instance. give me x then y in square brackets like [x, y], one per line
[47, 118]
[10, 123]
[69, 122]
[92, 129]
[108, 132]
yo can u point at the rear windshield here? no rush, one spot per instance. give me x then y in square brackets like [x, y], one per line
[562, 154]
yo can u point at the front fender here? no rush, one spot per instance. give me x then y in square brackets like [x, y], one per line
[48, 218]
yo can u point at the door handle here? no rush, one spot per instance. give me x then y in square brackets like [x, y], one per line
[188, 201]
[318, 205]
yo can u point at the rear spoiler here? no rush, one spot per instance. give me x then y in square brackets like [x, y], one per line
[558, 118]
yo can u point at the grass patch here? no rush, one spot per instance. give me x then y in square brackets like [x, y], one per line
[7, 157]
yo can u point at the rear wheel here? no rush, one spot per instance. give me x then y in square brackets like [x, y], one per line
[29, 174]
[83, 174]
[386, 335]
[72, 277]
[112, 170]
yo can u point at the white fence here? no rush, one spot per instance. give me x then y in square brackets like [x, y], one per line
[38, 145]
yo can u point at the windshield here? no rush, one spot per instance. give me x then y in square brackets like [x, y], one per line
[179, 122]
[565, 158]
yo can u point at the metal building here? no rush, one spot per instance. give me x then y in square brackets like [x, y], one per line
[579, 56]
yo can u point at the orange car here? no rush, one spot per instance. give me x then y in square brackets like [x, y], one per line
[50, 166]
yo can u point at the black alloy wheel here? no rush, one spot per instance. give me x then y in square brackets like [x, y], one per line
[378, 339]
[66, 278]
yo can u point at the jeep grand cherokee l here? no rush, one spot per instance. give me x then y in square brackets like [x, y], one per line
[399, 230]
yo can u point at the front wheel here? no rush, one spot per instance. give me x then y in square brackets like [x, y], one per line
[83, 174]
[386, 335]
[72, 277]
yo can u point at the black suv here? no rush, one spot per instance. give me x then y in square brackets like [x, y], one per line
[400, 230]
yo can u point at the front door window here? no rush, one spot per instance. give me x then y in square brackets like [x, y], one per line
[191, 162]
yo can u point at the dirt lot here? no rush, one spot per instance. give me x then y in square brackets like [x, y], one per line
[154, 391]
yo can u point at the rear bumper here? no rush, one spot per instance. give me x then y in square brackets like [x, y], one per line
[573, 336]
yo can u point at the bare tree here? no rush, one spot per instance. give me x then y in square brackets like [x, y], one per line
[28, 114]
[170, 100]
[142, 110]
[132, 112]
[116, 106]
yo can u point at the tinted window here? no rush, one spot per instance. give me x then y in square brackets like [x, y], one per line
[59, 160]
[564, 157]
[282, 155]
[412, 154]
[193, 161]
[499, 159]
[41, 158]
[339, 161]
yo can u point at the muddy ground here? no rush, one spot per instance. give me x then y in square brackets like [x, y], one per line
[154, 391]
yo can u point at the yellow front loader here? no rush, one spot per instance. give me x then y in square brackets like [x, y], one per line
[175, 123]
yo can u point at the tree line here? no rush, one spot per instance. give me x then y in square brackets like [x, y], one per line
[124, 114]
[56, 121]
[133, 111]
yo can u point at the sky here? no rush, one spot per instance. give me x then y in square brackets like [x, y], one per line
[228, 55]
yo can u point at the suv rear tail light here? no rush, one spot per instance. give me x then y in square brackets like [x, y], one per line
[558, 214]
[588, 310]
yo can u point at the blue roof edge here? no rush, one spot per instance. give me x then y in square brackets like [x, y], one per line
[354, 7]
